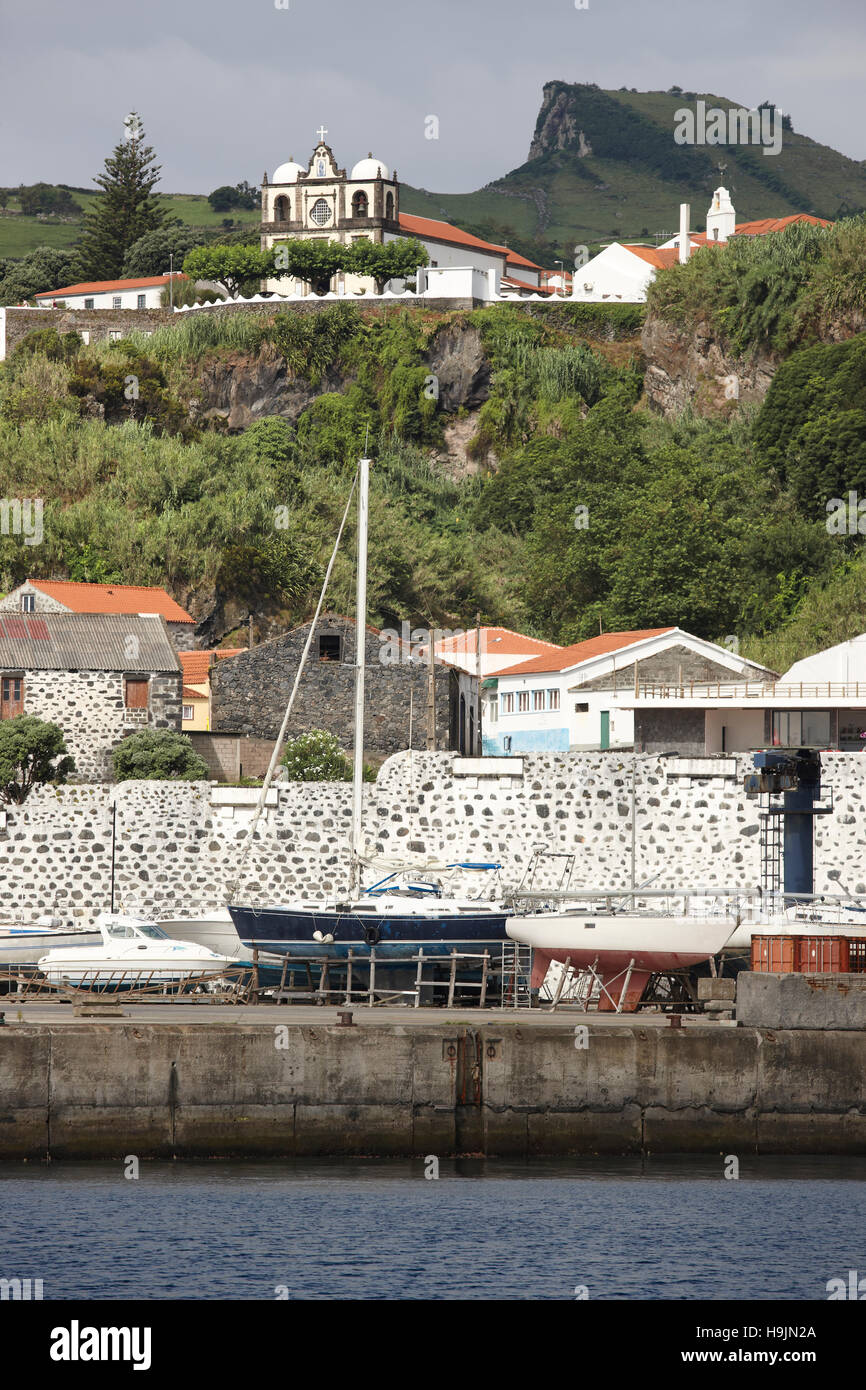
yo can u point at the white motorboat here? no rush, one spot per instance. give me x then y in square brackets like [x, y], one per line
[132, 951]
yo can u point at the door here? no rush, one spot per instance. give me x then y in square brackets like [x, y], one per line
[605, 729]
[11, 696]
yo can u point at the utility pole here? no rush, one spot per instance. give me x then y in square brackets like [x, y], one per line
[170, 278]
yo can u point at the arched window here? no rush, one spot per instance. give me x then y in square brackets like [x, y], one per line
[359, 204]
[281, 209]
[389, 207]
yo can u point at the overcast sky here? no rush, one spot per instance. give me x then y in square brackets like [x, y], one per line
[228, 88]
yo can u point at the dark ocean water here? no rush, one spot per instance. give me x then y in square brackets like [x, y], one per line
[325, 1229]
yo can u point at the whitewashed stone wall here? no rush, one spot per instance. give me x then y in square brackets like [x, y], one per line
[177, 843]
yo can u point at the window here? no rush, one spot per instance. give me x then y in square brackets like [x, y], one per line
[187, 712]
[359, 204]
[28, 603]
[320, 212]
[389, 207]
[140, 301]
[88, 303]
[506, 743]
[553, 699]
[809, 728]
[11, 696]
[508, 704]
[281, 210]
[114, 335]
[581, 709]
[538, 699]
[136, 692]
[329, 647]
[115, 302]
[493, 710]
[523, 702]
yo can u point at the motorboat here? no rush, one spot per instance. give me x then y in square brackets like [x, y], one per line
[622, 949]
[132, 951]
[22, 944]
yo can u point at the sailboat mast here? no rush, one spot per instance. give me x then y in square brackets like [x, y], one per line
[360, 667]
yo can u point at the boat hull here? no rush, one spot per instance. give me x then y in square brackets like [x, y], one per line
[21, 946]
[288, 932]
[624, 951]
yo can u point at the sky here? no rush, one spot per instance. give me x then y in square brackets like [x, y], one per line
[229, 88]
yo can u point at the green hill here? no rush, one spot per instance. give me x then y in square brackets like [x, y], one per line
[604, 164]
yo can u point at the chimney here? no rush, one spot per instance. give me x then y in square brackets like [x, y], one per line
[684, 242]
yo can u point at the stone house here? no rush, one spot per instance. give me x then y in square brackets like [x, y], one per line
[71, 596]
[98, 676]
[250, 692]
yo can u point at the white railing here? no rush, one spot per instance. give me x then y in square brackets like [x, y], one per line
[686, 690]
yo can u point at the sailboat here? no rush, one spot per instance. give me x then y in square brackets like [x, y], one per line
[396, 919]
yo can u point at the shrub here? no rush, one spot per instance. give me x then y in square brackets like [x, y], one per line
[158, 755]
[318, 757]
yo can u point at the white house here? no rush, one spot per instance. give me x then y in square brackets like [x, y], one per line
[145, 292]
[487, 650]
[583, 696]
[622, 273]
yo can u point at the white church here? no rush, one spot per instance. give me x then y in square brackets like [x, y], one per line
[622, 273]
[323, 201]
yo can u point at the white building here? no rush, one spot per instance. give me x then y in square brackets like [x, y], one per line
[622, 273]
[485, 651]
[321, 201]
[583, 697]
[145, 292]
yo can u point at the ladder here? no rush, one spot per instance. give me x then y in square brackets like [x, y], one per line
[770, 817]
[516, 972]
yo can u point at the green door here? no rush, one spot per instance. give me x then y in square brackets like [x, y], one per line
[605, 729]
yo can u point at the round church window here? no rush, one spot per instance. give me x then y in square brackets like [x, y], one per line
[320, 212]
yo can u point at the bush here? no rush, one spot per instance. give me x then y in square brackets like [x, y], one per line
[30, 754]
[318, 757]
[158, 755]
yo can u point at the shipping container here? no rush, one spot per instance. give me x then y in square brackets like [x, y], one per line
[822, 955]
[774, 954]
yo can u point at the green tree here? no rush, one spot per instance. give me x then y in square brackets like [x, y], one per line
[150, 254]
[390, 260]
[41, 270]
[158, 755]
[237, 268]
[318, 757]
[313, 261]
[224, 198]
[31, 754]
[127, 210]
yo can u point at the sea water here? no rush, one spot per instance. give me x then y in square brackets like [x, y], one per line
[481, 1229]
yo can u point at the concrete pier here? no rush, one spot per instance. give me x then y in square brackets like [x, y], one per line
[199, 1081]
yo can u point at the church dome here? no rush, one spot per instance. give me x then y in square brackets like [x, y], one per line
[370, 168]
[288, 172]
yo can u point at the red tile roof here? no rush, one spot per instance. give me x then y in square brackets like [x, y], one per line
[522, 285]
[763, 227]
[444, 231]
[112, 598]
[190, 694]
[655, 255]
[196, 665]
[491, 638]
[105, 286]
[584, 651]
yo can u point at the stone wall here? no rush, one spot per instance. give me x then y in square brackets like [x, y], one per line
[250, 691]
[90, 708]
[668, 730]
[106, 1089]
[230, 757]
[177, 844]
[97, 322]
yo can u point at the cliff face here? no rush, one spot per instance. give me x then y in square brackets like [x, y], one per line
[691, 367]
[557, 126]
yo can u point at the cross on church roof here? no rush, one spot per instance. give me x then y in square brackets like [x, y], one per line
[321, 132]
